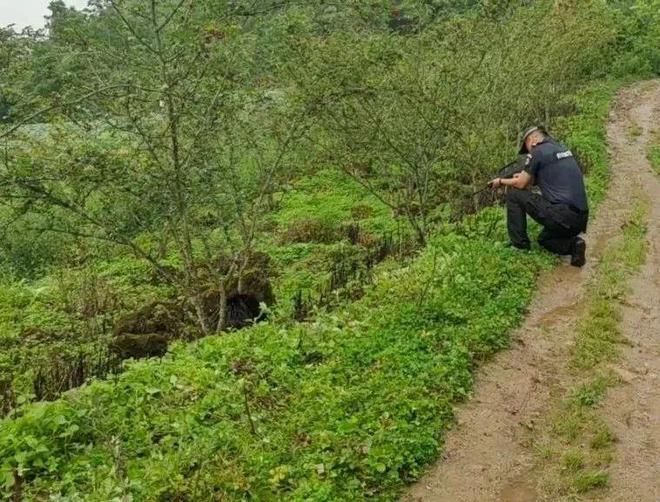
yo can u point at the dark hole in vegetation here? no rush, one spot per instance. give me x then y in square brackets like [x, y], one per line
[243, 310]
[69, 371]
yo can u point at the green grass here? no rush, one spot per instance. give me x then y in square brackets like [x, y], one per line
[585, 133]
[598, 336]
[56, 307]
[333, 199]
[654, 152]
[573, 461]
[591, 393]
[591, 480]
[634, 132]
[306, 235]
[66, 315]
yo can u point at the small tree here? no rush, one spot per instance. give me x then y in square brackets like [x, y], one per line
[168, 133]
[386, 115]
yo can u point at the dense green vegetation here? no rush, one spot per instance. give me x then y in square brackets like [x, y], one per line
[348, 405]
[324, 157]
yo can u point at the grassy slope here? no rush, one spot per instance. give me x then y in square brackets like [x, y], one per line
[317, 206]
[63, 315]
[585, 133]
[348, 407]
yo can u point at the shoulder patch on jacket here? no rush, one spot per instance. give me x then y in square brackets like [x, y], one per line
[564, 155]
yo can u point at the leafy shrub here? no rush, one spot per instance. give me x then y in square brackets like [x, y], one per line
[586, 133]
[638, 38]
[333, 200]
[54, 332]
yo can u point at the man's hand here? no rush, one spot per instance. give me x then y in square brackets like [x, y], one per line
[495, 184]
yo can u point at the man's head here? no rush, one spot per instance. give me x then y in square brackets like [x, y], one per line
[532, 137]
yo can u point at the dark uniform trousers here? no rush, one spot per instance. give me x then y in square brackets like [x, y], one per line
[561, 223]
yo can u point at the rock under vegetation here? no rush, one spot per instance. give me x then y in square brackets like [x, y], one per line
[148, 331]
[156, 317]
[138, 346]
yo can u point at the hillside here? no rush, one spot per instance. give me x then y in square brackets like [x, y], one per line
[247, 251]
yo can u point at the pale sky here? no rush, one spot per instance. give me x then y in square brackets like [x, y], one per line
[29, 12]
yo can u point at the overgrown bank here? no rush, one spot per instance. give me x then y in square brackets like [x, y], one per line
[311, 135]
[347, 407]
[237, 138]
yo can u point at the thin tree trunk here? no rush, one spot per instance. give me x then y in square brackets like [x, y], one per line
[17, 489]
[222, 308]
[421, 235]
[202, 318]
[248, 412]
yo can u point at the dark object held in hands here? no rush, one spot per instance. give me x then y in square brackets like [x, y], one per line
[512, 168]
[507, 171]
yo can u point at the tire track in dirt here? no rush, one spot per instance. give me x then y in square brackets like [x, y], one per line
[487, 455]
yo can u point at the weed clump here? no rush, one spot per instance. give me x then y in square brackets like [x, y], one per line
[587, 481]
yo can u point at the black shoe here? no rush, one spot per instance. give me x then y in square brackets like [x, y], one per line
[578, 258]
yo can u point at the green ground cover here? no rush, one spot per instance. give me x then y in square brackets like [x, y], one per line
[310, 232]
[350, 405]
[585, 133]
[297, 145]
[67, 315]
[347, 407]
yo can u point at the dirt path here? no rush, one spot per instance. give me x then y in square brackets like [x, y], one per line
[634, 408]
[487, 457]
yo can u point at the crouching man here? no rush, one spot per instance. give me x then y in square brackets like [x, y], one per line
[561, 208]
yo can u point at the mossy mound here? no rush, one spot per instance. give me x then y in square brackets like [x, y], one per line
[309, 230]
[147, 331]
[138, 346]
[156, 317]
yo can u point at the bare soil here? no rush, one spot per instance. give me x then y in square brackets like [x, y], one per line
[487, 456]
[633, 409]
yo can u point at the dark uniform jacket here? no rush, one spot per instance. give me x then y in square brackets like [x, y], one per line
[558, 175]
